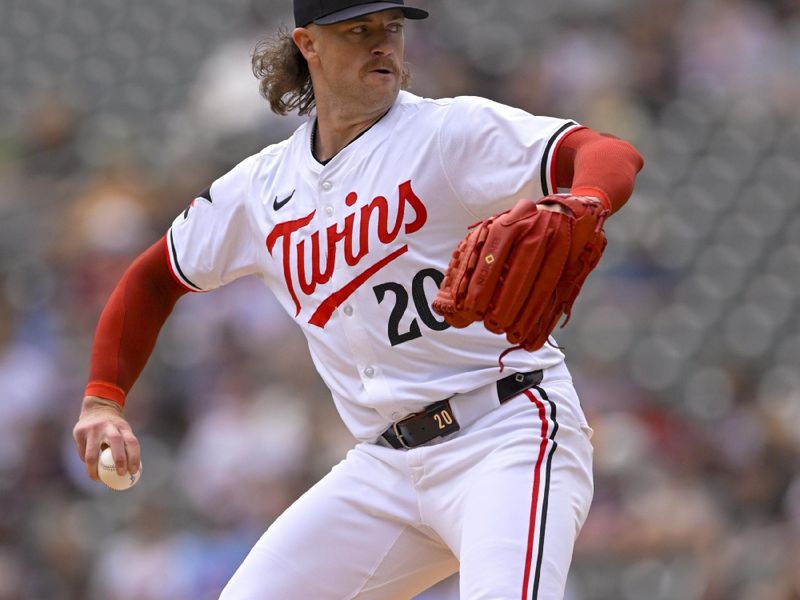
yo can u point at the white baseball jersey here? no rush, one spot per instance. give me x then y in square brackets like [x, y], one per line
[355, 249]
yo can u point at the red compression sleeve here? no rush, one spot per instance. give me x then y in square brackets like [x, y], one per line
[130, 323]
[595, 164]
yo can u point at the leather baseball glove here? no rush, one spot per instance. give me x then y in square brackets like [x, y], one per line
[520, 270]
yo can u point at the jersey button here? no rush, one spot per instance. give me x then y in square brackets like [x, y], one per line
[348, 310]
[396, 416]
[329, 211]
[327, 185]
[369, 372]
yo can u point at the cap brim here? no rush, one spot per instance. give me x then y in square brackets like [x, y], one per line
[366, 9]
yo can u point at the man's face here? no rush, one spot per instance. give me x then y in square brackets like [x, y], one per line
[359, 62]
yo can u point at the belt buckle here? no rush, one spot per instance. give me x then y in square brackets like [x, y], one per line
[399, 435]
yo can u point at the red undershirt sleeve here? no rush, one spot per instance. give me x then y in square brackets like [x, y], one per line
[595, 164]
[130, 322]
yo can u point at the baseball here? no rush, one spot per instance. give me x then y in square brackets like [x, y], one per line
[108, 473]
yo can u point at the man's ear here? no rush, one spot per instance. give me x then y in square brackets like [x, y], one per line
[304, 40]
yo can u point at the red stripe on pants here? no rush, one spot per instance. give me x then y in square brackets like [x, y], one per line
[535, 495]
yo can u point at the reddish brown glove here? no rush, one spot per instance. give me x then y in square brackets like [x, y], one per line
[519, 271]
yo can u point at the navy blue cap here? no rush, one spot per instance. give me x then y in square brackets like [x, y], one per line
[326, 12]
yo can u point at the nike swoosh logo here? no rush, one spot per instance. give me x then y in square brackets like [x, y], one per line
[278, 205]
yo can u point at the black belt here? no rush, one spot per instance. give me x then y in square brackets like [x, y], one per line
[437, 419]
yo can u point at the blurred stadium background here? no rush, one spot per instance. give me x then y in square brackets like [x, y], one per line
[685, 344]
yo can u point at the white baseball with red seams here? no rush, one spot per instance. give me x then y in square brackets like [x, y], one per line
[107, 472]
[354, 250]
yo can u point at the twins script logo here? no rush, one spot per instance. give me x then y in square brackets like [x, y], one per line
[353, 232]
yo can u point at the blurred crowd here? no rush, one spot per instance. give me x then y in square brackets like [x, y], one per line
[684, 345]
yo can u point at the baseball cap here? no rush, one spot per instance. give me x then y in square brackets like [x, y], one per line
[326, 12]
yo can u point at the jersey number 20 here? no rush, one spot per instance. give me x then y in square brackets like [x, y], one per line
[401, 304]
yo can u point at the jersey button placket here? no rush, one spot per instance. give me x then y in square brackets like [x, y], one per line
[327, 186]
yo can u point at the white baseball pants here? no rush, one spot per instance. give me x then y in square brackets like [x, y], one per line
[502, 500]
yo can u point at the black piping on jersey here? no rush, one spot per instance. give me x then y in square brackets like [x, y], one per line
[546, 497]
[314, 139]
[178, 266]
[546, 157]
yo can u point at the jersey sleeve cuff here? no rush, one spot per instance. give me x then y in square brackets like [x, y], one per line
[548, 168]
[109, 391]
[174, 266]
[587, 190]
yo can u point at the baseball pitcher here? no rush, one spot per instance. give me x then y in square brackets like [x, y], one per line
[427, 248]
